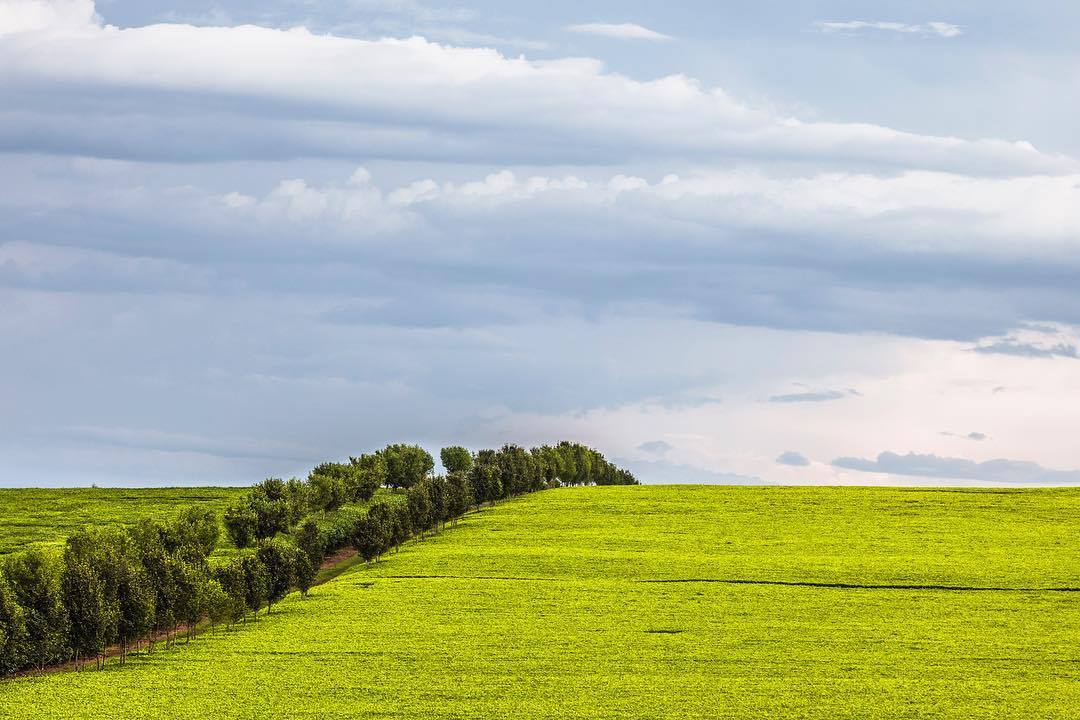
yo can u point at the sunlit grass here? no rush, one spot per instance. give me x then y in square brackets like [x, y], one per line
[545, 607]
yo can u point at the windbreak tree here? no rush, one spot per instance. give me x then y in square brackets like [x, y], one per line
[373, 532]
[256, 583]
[309, 538]
[271, 508]
[418, 500]
[88, 583]
[369, 473]
[406, 465]
[217, 603]
[484, 478]
[517, 470]
[35, 578]
[456, 459]
[14, 651]
[197, 530]
[233, 582]
[135, 596]
[547, 463]
[306, 571]
[459, 495]
[87, 607]
[278, 557]
[190, 579]
[326, 492]
[400, 524]
[297, 500]
[240, 522]
[439, 492]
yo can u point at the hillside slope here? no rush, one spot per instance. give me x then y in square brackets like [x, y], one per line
[648, 602]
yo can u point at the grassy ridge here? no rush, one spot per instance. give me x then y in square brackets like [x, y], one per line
[543, 607]
[48, 516]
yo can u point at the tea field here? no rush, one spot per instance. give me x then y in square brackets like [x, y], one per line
[48, 516]
[655, 602]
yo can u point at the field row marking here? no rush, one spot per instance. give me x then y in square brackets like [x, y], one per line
[860, 586]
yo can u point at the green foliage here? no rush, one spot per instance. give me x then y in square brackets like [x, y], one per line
[369, 473]
[279, 557]
[456, 459]
[418, 501]
[256, 582]
[198, 529]
[240, 523]
[311, 539]
[484, 478]
[406, 465]
[327, 492]
[35, 580]
[306, 569]
[374, 531]
[13, 639]
[232, 580]
[459, 495]
[89, 590]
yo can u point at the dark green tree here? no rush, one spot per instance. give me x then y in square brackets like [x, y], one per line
[373, 532]
[278, 556]
[406, 465]
[309, 538]
[35, 579]
[135, 596]
[326, 492]
[197, 530]
[256, 583]
[240, 523]
[369, 474]
[456, 459]
[306, 570]
[459, 495]
[233, 582]
[400, 524]
[484, 478]
[418, 499]
[14, 650]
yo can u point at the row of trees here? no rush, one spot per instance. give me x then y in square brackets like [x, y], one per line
[131, 587]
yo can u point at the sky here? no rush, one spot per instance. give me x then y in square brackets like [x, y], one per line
[796, 242]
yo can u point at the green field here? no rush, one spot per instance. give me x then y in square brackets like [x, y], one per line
[47, 517]
[655, 602]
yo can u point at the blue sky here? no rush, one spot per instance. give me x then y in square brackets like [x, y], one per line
[794, 242]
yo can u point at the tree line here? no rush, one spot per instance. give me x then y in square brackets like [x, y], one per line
[131, 588]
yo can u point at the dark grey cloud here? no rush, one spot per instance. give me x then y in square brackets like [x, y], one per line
[976, 436]
[997, 471]
[662, 472]
[792, 458]
[655, 447]
[815, 396]
[1032, 350]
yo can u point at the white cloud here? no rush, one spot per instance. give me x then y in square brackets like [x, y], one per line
[922, 212]
[268, 93]
[933, 28]
[622, 31]
[21, 16]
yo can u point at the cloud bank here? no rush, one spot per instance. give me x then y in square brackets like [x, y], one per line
[621, 31]
[934, 466]
[934, 28]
